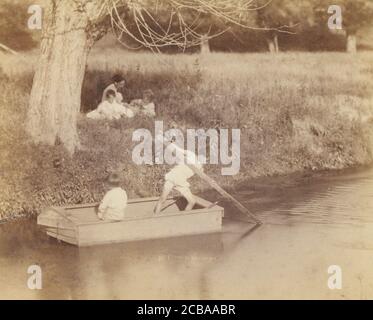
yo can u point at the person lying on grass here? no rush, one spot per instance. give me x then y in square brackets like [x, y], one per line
[144, 106]
[118, 84]
[110, 109]
[114, 203]
[177, 177]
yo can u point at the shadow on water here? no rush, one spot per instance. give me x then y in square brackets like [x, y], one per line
[180, 267]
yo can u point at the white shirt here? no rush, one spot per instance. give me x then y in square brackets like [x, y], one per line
[179, 174]
[113, 205]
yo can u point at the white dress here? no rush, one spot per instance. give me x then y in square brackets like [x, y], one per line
[118, 95]
[110, 111]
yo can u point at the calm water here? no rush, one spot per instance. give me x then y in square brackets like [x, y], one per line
[311, 222]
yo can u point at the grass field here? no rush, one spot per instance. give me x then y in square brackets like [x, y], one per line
[296, 112]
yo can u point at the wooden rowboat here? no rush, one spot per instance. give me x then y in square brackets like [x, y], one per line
[79, 224]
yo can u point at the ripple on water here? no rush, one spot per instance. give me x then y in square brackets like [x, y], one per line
[344, 204]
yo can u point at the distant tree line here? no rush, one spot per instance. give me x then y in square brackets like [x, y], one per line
[279, 25]
[282, 25]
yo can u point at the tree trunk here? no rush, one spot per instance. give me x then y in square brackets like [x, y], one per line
[273, 44]
[277, 49]
[351, 43]
[56, 91]
[205, 46]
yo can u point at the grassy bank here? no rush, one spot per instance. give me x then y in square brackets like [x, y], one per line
[296, 111]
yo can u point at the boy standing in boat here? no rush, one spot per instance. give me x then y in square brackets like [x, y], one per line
[177, 177]
[114, 203]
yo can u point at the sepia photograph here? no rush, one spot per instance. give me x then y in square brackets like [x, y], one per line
[186, 150]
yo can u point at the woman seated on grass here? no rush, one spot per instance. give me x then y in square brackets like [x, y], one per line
[110, 109]
[144, 106]
[118, 83]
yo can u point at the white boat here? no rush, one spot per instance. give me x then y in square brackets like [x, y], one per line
[79, 224]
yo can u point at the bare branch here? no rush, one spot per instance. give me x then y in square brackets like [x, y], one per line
[185, 25]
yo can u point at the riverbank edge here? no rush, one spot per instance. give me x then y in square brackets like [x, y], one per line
[275, 181]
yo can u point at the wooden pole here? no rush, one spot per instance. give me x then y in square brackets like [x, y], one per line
[224, 193]
[4, 47]
[169, 205]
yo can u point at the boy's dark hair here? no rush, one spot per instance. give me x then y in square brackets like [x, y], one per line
[114, 179]
[117, 78]
[110, 93]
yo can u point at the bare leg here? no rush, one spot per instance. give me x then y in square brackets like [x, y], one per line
[167, 188]
[187, 194]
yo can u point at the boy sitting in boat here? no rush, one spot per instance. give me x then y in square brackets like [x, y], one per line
[114, 203]
[110, 109]
[177, 177]
[144, 106]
